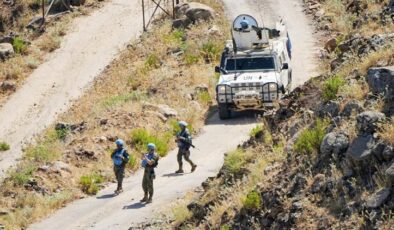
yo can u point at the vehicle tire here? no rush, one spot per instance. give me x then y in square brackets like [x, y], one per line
[290, 82]
[224, 112]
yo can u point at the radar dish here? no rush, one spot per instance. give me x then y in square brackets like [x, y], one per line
[244, 23]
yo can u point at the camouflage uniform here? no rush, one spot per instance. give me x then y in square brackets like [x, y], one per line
[149, 176]
[119, 165]
[184, 148]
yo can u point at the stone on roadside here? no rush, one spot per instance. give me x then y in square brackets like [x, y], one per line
[199, 12]
[330, 45]
[7, 86]
[351, 107]
[381, 79]
[6, 51]
[167, 111]
[59, 166]
[361, 148]
[334, 143]
[378, 198]
[367, 122]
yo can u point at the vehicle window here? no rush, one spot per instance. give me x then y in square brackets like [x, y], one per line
[259, 63]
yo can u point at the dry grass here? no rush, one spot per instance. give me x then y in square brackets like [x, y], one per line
[387, 132]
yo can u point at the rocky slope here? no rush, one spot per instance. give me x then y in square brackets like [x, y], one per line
[325, 159]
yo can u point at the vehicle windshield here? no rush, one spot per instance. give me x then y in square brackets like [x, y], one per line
[250, 64]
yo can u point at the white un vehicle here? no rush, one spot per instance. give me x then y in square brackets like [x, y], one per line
[255, 68]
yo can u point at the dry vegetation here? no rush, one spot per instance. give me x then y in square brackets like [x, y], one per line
[156, 70]
[32, 46]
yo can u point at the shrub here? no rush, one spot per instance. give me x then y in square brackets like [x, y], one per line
[204, 97]
[310, 139]
[141, 137]
[19, 45]
[132, 164]
[210, 51]
[225, 227]
[256, 131]
[62, 133]
[89, 183]
[235, 160]
[4, 146]
[331, 87]
[252, 200]
[191, 59]
[116, 100]
[44, 152]
[23, 174]
[152, 62]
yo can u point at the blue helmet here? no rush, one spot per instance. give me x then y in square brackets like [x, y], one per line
[119, 142]
[182, 123]
[151, 146]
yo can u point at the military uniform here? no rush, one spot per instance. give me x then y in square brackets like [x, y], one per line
[120, 157]
[149, 175]
[184, 140]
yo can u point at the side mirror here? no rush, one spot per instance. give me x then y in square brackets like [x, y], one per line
[285, 66]
[217, 69]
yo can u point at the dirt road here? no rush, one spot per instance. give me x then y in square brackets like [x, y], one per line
[121, 212]
[87, 49]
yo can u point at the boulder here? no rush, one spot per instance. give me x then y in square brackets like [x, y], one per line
[77, 2]
[330, 109]
[59, 166]
[351, 107]
[6, 50]
[330, 45]
[367, 122]
[378, 198]
[388, 153]
[181, 23]
[8, 86]
[390, 172]
[361, 148]
[167, 111]
[381, 79]
[334, 143]
[199, 12]
[180, 9]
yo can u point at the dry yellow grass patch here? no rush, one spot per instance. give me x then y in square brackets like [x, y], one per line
[387, 133]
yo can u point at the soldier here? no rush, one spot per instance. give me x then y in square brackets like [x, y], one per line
[120, 157]
[184, 141]
[149, 162]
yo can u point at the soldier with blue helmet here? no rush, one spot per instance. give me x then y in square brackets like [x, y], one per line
[184, 142]
[149, 163]
[120, 157]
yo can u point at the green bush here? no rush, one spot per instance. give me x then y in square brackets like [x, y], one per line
[191, 59]
[256, 131]
[4, 146]
[211, 51]
[178, 35]
[141, 137]
[252, 200]
[235, 160]
[89, 183]
[44, 152]
[132, 164]
[152, 62]
[120, 99]
[204, 97]
[62, 133]
[225, 227]
[19, 45]
[310, 140]
[331, 87]
[23, 174]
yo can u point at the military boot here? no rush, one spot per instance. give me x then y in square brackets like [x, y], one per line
[194, 167]
[179, 171]
[145, 198]
[149, 199]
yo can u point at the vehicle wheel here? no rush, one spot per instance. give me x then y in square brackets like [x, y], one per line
[224, 112]
[289, 84]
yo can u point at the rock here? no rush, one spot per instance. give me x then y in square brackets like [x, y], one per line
[199, 212]
[181, 23]
[43, 168]
[214, 30]
[390, 172]
[388, 153]
[201, 89]
[361, 148]
[167, 111]
[86, 154]
[378, 198]
[79, 127]
[380, 79]
[59, 166]
[330, 45]
[8, 86]
[103, 121]
[77, 2]
[367, 122]
[318, 183]
[330, 109]
[7, 39]
[299, 183]
[351, 107]
[180, 9]
[334, 143]
[199, 12]
[6, 51]
[336, 63]
[3, 212]
[36, 23]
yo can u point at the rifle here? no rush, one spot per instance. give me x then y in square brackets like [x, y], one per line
[185, 141]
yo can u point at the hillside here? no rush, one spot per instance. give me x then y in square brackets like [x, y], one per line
[324, 160]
